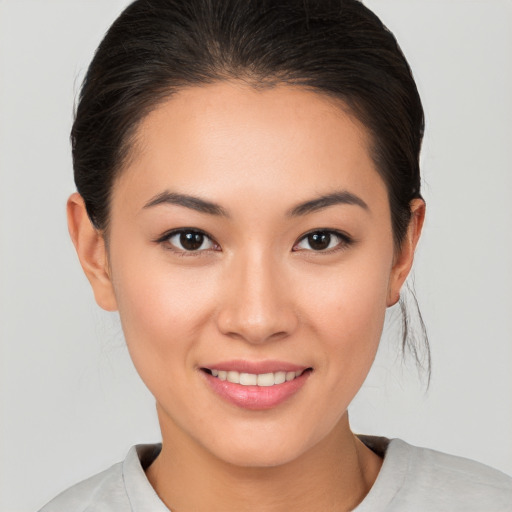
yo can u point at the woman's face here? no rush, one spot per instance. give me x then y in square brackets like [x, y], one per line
[250, 233]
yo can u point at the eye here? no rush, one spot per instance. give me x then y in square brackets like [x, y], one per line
[188, 240]
[323, 241]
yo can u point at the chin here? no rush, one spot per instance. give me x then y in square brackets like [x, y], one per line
[261, 449]
[256, 457]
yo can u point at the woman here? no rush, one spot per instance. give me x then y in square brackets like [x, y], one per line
[249, 201]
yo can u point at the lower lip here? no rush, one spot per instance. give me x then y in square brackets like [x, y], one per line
[256, 398]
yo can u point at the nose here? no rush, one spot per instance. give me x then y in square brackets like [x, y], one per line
[258, 305]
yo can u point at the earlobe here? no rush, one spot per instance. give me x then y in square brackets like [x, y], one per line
[92, 252]
[404, 259]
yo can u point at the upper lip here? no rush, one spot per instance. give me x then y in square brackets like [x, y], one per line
[255, 367]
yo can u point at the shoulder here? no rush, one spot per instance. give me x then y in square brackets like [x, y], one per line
[446, 482]
[122, 487]
[98, 493]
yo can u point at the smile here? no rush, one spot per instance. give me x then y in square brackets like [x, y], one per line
[256, 386]
[253, 379]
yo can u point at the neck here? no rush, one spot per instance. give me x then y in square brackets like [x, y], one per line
[336, 474]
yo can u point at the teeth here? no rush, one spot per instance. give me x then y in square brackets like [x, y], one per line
[279, 377]
[233, 377]
[266, 379]
[251, 379]
[248, 379]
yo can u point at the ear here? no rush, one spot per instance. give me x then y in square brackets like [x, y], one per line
[404, 258]
[90, 246]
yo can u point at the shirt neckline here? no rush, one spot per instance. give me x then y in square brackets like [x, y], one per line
[141, 495]
[396, 455]
[391, 477]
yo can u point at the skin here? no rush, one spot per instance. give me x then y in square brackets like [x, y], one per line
[258, 292]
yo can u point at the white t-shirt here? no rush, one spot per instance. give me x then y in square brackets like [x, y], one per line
[411, 479]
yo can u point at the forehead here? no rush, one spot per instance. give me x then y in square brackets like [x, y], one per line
[230, 138]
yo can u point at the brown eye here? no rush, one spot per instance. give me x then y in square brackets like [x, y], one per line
[322, 241]
[319, 241]
[190, 241]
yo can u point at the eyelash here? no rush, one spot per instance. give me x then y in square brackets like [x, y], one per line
[344, 241]
[165, 240]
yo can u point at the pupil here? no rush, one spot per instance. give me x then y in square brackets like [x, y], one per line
[319, 241]
[191, 241]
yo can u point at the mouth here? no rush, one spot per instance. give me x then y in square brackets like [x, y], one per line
[255, 379]
[256, 386]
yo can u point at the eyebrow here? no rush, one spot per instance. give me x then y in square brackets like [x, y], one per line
[208, 207]
[341, 197]
[188, 201]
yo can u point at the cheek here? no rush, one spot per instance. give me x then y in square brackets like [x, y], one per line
[162, 311]
[351, 301]
[347, 308]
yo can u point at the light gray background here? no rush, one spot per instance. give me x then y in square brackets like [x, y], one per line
[71, 403]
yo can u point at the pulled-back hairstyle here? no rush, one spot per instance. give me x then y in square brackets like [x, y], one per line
[335, 47]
